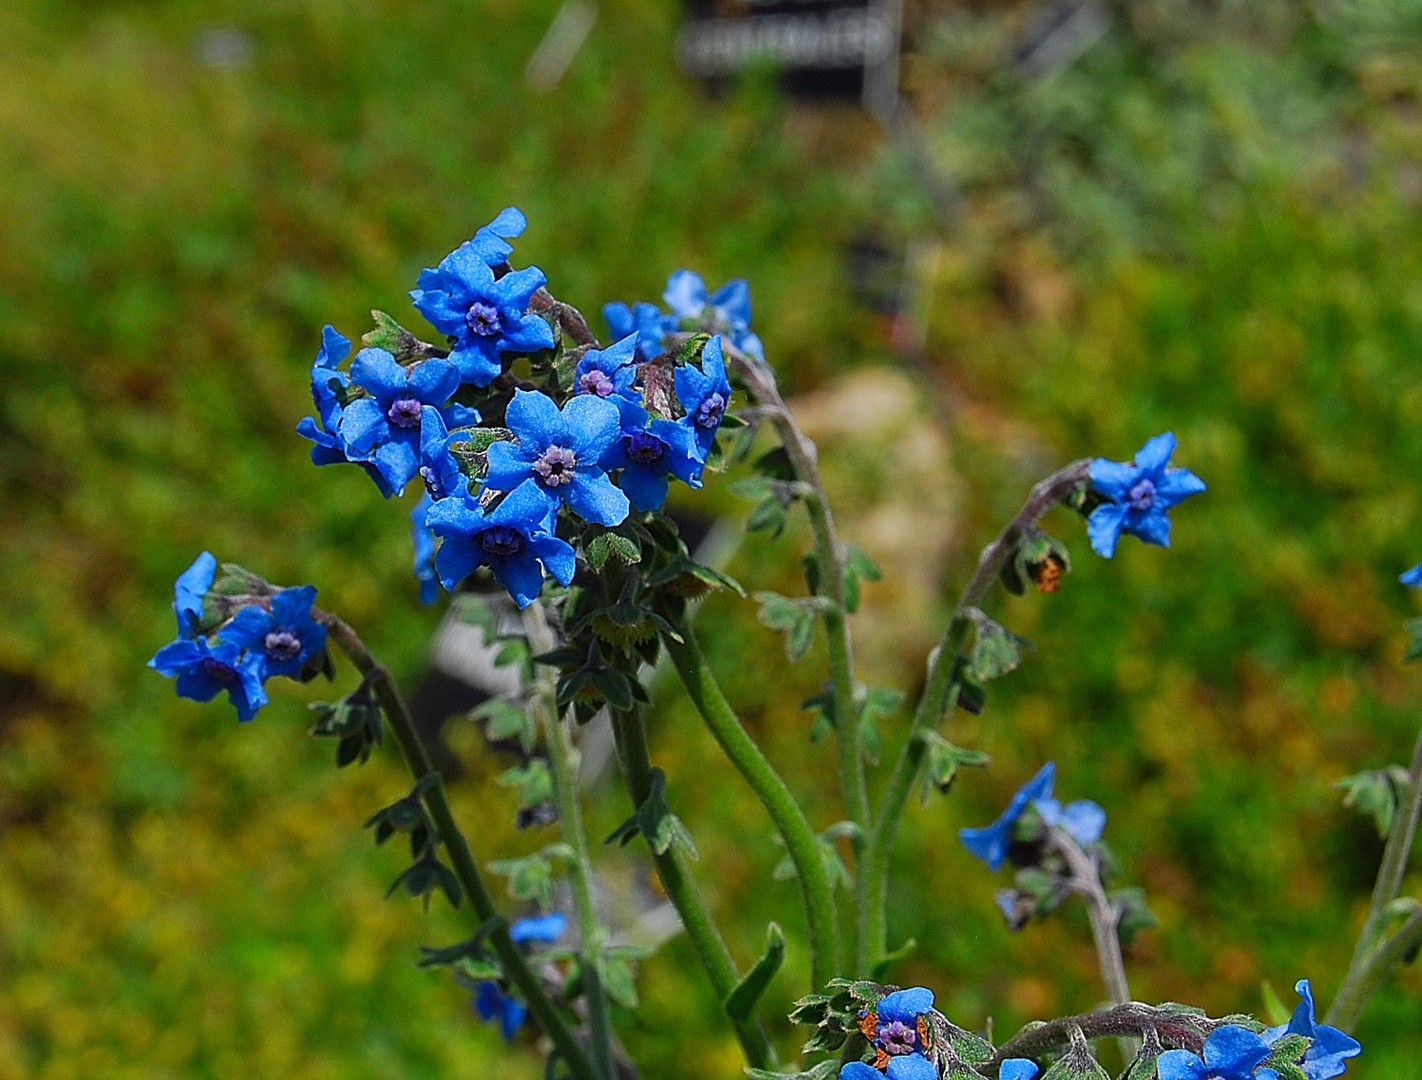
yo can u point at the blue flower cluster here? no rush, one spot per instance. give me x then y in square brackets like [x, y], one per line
[690, 308]
[611, 444]
[273, 635]
[899, 1032]
[1082, 820]
[490, 1001]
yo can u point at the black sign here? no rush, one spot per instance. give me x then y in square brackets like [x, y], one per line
[824, 48]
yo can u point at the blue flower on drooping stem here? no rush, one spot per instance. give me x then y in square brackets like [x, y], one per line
[385, 427]
[727, 310]
[560, 452]
[991, 842]
[1139, 493]
[704, 394]
[203, 670]
[514, 540]
[189, 591]
[1328, 1047]
[486, 316]
[283, 637]
[1231, 1052]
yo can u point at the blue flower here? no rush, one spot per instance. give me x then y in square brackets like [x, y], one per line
[330, 387]
[284, 637]
[385, 427]
[728, 310]
[1329, 1047]
[491, 1003]
[991, 843]
[540, 928]
[907, 1067]
[560, 452]
[188, 593]
[204, 670]
[609, 372]
[514, 540]
[485, 317]
[648, 453]
[1083, 819]
[424, 542]
[1140, 493]
[704, 395]
[1413, 577]
[645, 320]
[1232, 1052]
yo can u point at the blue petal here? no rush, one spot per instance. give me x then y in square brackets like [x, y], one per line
[176, 656]
[905, 1006]
[1083, 819]
[363, 425]
[509, 223]
[1412, 577]
[911, 1067]
[1017, 1069]
[618, 317]
[292, 607]
[557, 556]
[515, 290]
[476, 360]
[1114, 479]
[535, 419]
[522, 577]
[1151, 457]
[732, 302]
[457, 558]
[248, 629]
[857, 1070]
[398, 461]
[988, 843]
[1175, 485]
[1152, 526]
[335, 347]
[645, 488]
[525, 508]
[595, 498]
[594, 424]
[685, 294]
[543, 928]
[1180, 1065]
[377, 371]
[433, 381]
[469, 268]
[1234, 1051]
[508, 467]
[1104, 527]
[189, 589]
[528, 333]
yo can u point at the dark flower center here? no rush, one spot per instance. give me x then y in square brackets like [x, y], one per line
[218, 671]
[282, 645]
[555, 466]
[433, 483]
[483, 319]
[501, 540]
[596, 382]
[404, 412]
[898, 1038]
[710, 411]
[644, 448]
[1142, 496]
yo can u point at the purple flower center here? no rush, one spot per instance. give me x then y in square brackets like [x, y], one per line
[596, 382]
[282, 645]
[1142, 496]
[710, 411]
[433, 484]
[644, 448]
[218, 671]
[898, 1038]
[554, 466]
[501, 540]
[483, 319]
[404, 412]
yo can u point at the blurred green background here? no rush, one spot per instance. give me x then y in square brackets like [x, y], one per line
[1207, 221]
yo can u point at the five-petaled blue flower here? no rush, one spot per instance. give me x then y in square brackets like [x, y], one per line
[704, 394]
[1232, 1052]
[609, 372]
[1325, 1055]
[490, 1002]
[204, 670]
[514, 540]
[991, 842]
[648, 453]
[483, 315]
[1139, 495]
[727, 310]
[283, 638]
[560, 452]
[330, 387]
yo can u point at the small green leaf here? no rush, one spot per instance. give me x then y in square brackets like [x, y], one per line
[942, 760]
[532, 780]
[503, 720]
[769, 515]
[1378, 792]
[740, 1002]
[996, 651]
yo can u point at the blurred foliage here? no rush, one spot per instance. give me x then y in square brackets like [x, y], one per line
[1206, 222]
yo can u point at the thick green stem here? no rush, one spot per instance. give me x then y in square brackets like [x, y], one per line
[760, 380]
[633, 756]
[800, 840]
[1374, 957]
[939, 697]
[417, 760]
[563, 758]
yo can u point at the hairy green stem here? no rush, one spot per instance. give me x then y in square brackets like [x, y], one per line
[800, 840]
[760, 381]
[471, 881]
[1174, 1027]
[630, 735]
[1374, 957]
[938, 697]
[563, 758]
